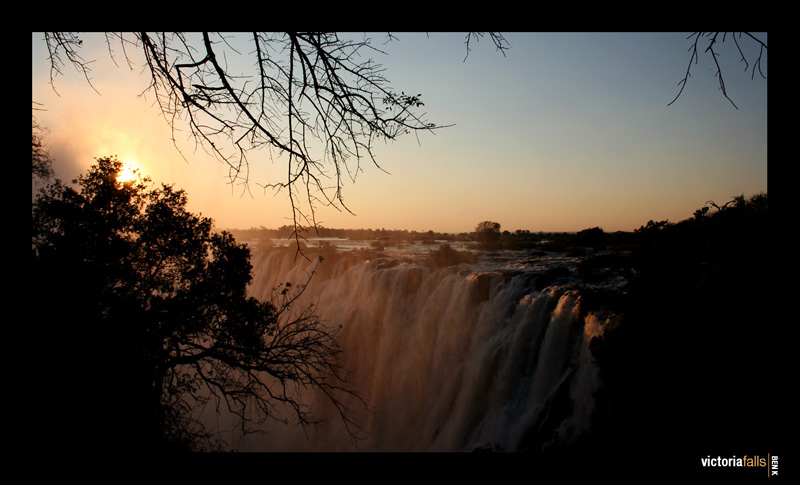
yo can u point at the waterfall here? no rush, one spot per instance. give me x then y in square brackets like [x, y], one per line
[448, 359]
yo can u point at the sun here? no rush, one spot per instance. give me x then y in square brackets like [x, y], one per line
[128, 172]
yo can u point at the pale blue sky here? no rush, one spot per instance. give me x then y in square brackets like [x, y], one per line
[567, 131]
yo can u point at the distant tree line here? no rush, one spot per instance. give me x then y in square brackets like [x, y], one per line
[591, 239]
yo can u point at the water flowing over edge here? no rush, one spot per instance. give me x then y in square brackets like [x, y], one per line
[457, 358]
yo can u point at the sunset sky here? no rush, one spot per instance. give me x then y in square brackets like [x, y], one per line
[565, 132]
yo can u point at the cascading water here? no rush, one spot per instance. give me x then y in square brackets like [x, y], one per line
[448, 359]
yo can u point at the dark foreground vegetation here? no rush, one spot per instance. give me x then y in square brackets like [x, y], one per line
[145, 324]
[694, 369]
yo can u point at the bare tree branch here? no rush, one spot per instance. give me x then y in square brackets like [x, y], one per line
[499, 41]
[260, 382]
[41, 160]
[316, 100]
[711, 49]
[68, 43]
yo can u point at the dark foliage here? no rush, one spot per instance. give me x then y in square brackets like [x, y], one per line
[146, 312]
[593, 238]
[693, 369]
[487, 233]
[445, 255]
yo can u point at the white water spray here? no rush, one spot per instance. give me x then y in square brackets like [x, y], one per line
[448, 359]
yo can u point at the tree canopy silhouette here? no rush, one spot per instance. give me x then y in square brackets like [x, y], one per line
[487, 233]
[150, 320]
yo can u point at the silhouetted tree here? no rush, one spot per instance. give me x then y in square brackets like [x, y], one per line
[487, 233]
[594, 238]
[150, 321]
[316, 99]
[445, 255]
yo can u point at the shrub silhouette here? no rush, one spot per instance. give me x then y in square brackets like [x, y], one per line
[445, 255]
